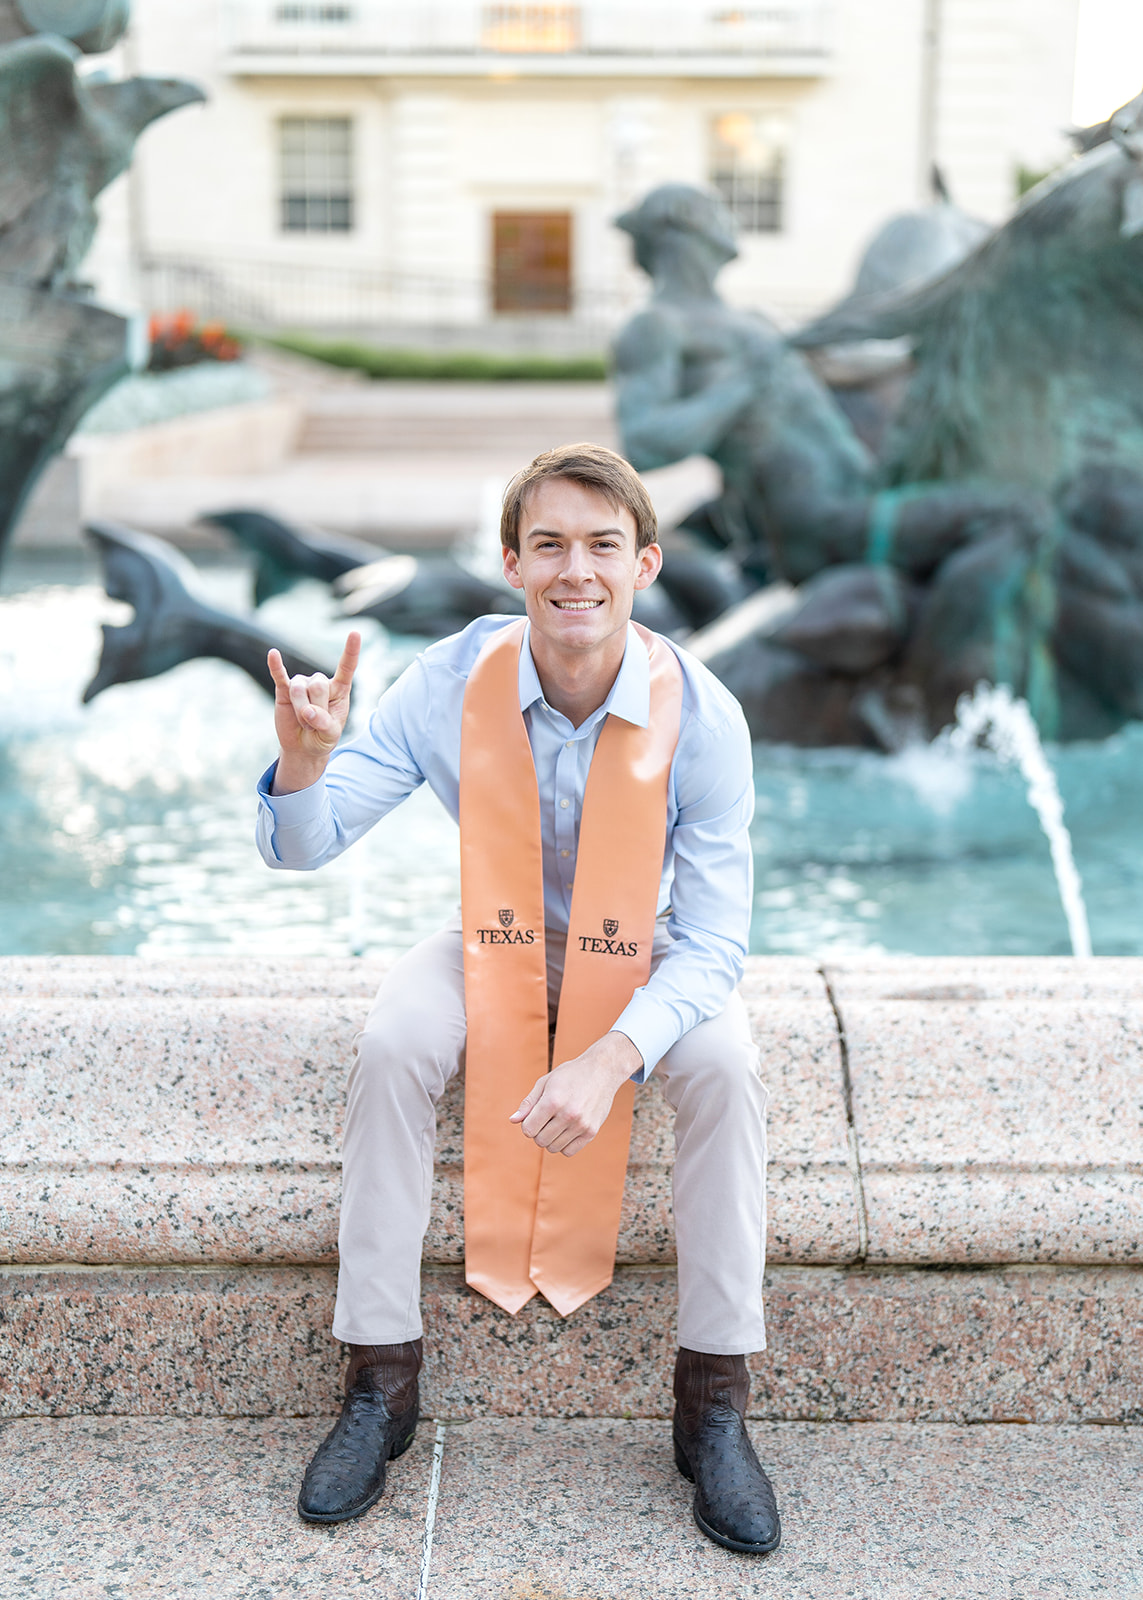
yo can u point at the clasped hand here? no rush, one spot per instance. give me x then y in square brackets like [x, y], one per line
[566, 1108]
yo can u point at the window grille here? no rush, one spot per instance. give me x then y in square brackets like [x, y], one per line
[313, 12]
[543, 30]
[317, 174]
[747, 167]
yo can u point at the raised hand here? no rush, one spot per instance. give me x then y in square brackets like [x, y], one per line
[309, 717]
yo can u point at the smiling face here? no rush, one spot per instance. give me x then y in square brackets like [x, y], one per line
[578, 569]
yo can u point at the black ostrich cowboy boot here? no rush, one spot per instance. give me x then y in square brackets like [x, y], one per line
[377, 1424]
[734, 1501]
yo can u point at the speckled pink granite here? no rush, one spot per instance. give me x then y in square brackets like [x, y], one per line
[164, 1127]
[1037, 1343]
[978, 1215]
[140, 1081]
[195, 977]
[951, 979]
[586, 1510]
[811, 1204]
[596, 1511]
[176, 1128]
[998, 1107]
[170, 1211]
[172, 1130]
[165, 1509]
[248, 1341]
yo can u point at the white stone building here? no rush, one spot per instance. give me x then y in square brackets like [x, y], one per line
[451, 164]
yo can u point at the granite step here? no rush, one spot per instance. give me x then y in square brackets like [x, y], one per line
[996, 1107]
[955, 1199]
[513, 420]
[1017, 1344]
[521, 436]
[569, 1510]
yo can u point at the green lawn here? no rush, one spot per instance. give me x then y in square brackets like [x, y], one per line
[443, 364]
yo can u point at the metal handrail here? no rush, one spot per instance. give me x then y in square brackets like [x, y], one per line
[258, 293]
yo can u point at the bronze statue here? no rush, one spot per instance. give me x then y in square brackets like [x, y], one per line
[173, 622]
[991, 509]
[694, 375]
[64, 139]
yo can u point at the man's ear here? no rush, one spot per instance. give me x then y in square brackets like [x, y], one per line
[648, 565]
[512, 567]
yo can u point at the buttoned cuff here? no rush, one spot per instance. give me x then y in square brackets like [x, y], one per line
[652, 1029]
[297, 810]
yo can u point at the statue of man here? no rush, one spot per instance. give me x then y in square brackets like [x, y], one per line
[696, 376]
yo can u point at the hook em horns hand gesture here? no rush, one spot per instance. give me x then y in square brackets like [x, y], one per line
[309, 717]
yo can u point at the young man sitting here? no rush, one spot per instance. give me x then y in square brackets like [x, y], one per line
[603, 786]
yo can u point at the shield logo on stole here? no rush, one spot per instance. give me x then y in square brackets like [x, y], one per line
[610, 926]
[507, 917]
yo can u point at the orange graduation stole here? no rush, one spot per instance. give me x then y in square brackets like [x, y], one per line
[535, 1221]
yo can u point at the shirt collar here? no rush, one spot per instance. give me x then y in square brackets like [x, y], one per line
[630, 696]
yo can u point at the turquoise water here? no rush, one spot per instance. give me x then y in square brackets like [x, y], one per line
[126, 825]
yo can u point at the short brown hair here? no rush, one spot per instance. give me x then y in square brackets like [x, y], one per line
[595, 467]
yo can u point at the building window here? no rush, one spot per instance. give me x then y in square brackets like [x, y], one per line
[531, 261]
[318, 14]
[543, 30]
[317, 174]
[747, 167]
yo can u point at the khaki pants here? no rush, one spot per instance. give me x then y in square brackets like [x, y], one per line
[413, 1044]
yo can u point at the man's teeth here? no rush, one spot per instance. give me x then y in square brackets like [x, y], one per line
[578, 605]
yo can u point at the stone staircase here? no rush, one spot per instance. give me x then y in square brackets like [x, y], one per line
[409, 465]
[956, 1201]
[506, 420]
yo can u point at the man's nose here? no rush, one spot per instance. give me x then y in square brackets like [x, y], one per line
[577, 567]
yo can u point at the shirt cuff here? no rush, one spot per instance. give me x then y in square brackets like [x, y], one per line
[295, 810]
[652, 1028]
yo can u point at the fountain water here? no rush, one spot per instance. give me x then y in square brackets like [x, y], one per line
[994, 716]
[125, 825]
[481, 553]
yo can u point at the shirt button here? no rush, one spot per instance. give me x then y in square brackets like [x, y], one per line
[569, 744]
[564, 804]
[565, 852]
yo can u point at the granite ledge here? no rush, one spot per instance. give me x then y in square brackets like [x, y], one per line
[969, 980]
[275, 1213]
[196, 977]
[212, 977]
[1040, 1344]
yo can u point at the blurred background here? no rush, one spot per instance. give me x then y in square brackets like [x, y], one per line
[448, 171]
[377, 272]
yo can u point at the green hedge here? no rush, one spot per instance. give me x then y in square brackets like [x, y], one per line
[442, 364]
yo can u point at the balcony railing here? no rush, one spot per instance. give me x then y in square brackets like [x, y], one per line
[391, 305]
[625, 28]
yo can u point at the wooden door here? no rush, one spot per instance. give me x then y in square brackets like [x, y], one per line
[531, 261]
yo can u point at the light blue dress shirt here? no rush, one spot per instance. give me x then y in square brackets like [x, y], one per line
[414, 737]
